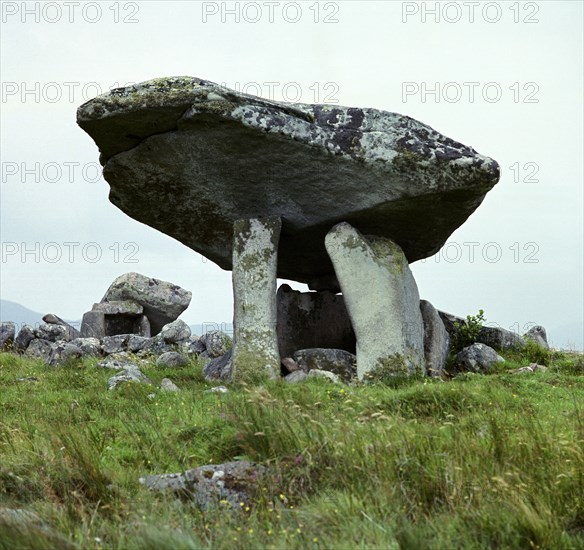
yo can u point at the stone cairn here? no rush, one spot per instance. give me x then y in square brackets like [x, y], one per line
[340, 198]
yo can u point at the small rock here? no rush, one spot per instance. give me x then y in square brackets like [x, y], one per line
[217, 389]
[114, 344]
[339, 361]
[115, 364]
[155, 346]
[168, 385]
[532, 367]
[220, 368]
[27, 379]
[295, 377]
[176, 332]
[476, 358]
[24, 337]
[231, 483]
[172, 359]
[315, 373]
[290, 365]
[538, 335]
[216, 343]
[7, 332]
[128, 374]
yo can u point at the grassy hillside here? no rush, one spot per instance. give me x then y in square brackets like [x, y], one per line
[493, 461]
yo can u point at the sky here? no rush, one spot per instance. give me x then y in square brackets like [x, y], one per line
[503, 77]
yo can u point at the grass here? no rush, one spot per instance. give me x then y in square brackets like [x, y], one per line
[493, 461]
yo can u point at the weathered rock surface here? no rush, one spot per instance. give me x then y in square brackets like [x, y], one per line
[7, 333]
[215, 343]
[436, 339]
[255, 258]
[114, 344]
[289, 365]
[538, 335]
[24, 337]
[63, 351]
[40, 349]
[93, 324]
[88, 346]
[220, 368]
[172, 359]
[233, 482]
[531, 368]
[176, 332]
[53, 333]
[478, 358]
[53, 319]
[382, 299]
[224, 156]
[338, 361]
[195, 346]
[312, 320]
[130, 373]
[162, 302]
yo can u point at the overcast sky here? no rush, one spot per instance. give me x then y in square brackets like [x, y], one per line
[507, 78]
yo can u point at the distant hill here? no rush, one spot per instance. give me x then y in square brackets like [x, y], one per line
[11, 311]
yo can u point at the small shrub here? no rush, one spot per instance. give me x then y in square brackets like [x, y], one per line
[535, 353]
[467, 332]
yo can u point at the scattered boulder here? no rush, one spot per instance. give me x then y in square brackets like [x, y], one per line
[436, 339]
[62, 352]
[90, 347]
[136, 343]
[216, 343]
[339, 361]
[130, 373]
[116, 364]
[168, 385]
[331, 376]
[193, 346]
[93, 325]
[53, 333]
[52, 319]
[114, 344]
[40, 349]
[232, 482]
[385, 173]
[155, 346]
[172, 359]
[312, 320]
[24, 337]
[295, 377]
[220, 368]
[478, 358]
[492, 336]
[538, 335]
[162, 301]
[176, 332]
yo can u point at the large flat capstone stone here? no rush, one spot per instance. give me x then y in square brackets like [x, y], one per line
[189, 157]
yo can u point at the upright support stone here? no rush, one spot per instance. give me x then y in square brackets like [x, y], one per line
[382, 299]
[255, 258]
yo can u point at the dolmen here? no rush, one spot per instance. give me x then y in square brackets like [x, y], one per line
[340, 198]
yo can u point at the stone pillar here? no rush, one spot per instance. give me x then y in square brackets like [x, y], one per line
[382, 299]
[255, 257]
